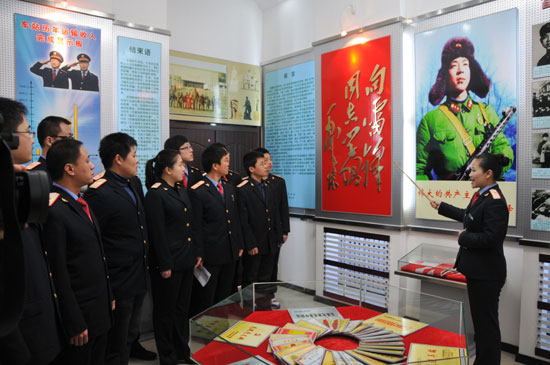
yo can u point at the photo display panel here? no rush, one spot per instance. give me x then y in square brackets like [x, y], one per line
[289, 96]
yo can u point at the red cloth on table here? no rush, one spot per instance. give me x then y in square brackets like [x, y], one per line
[441, 271]
[218, 353]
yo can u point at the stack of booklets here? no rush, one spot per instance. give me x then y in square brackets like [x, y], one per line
[294, 343]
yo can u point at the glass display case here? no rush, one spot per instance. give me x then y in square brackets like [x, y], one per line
[428, 325]
[429, 261]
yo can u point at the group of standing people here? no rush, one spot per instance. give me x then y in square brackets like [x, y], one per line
[87, 266]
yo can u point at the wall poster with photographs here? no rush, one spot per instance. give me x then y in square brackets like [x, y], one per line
[541, 104]
[540, 210]
[540, 156]
[540, 40]
[465, 82]
[211, 90]
[58, 73]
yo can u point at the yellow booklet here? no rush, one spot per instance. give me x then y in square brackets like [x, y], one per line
[247, 333]
[399, 325]
[440, 355]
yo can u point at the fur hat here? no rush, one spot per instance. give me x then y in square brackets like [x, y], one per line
[454, 48]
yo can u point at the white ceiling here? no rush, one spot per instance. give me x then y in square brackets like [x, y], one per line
[266, 4]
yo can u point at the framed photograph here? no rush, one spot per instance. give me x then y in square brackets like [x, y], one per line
[540, 156]
[540, 41]
[540, 210]
[541, 104]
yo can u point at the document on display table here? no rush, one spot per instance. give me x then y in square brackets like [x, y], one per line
[314, 313]
[202, 275]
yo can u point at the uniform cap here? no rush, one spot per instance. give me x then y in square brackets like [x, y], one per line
[56, 55]
[83, 57]
[454, 48]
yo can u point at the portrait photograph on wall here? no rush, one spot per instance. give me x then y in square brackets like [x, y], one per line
[58, 73]
[466, 98]
[540, 210]
[541, 104]
[205, 89]
[540, 41]
[356, 127]
[540, 155]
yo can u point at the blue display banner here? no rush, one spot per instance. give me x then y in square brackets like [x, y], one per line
[290, 129]
[58, 73]
[139, 95]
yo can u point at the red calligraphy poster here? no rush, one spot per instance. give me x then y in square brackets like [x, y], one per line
[356, 126]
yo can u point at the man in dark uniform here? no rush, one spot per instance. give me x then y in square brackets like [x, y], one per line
[117, 201]
[52, 77]
[37, 337]
[181, 144]
[50, 130]
[216, 228]
[545, 41]
[83, 79]
[75, 252]
[278, 185]
[259, 221]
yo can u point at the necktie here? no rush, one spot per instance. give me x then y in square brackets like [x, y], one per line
[220, 188]
[85, 207]
[53, 75]
[262, 190]
[476, 195]
[83, 75]
[185, 180]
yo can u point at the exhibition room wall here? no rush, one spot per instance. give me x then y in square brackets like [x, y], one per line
[258, 32]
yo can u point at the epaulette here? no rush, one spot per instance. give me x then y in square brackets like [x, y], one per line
[33, 165]
[273, 176]
[204, 174]
[242, 183]
[198, 184]
[495, 193]
[98, 183]
[245, 178]
[53, 198]
[99, 176]
[155, 185]
[194, 168]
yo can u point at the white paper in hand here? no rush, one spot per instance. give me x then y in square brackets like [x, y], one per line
[202, 275]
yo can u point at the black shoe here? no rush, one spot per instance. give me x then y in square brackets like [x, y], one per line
[139, 352]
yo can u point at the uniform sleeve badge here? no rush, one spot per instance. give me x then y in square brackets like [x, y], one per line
[53, 198]
[494, 194]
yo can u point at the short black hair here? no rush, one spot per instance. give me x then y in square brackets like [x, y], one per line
[213, 154]
[545, 135]
[49, 127]
[115, 144]
[250, 159]
[61, 153]
[12, 111]
[175, 142]
[262, 150]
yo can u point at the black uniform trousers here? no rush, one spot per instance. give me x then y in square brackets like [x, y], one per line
[125, 332]
[92, 353]
[218, 288]
[484, 297]
[171, 301]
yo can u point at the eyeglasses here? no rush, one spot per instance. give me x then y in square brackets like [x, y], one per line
[185, 148]
[32, 133]
[63, 137]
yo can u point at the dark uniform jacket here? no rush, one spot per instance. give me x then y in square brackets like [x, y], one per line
[169, 217]
[233, 177]
[123, 231]
[481, 253]
[194, 175]
[75, 253]
[544, 60]
[61, 78]
[38, 337]
[216, 226]
[90, 82]
[278, 185]
[258, 215]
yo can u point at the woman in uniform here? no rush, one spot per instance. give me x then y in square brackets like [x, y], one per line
[172, 255]
[481, 254]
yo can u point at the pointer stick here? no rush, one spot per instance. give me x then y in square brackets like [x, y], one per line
[418, 187]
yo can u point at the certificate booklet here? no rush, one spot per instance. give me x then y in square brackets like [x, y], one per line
[398, 325]
[314, 313]
[440, 355]
[247, 333]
